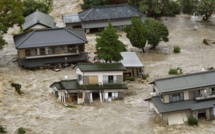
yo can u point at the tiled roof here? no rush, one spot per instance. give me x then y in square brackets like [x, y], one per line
[110, 12]
[93, 67]
[73, 85]
[181, 105]
[50, 37]
[189, 81]
[38, 17]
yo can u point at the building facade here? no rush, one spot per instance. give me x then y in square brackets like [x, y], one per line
[177, 98]
[95, 81]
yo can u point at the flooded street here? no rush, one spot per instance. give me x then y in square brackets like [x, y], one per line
[38, 111]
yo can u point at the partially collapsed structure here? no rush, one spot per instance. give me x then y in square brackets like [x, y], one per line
[191, 95]
[103, 81]
[96, 18]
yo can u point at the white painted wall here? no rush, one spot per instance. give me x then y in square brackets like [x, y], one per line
[38, 26]
[99, 74]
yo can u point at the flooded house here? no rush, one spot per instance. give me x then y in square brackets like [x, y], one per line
[177, 98]
[50, 47]
[97, 18]
[95, 81]
[133, 65]
[38, 20]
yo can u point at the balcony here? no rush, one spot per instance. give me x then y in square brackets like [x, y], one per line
[50, 55]
[110, 82]
[205, 96]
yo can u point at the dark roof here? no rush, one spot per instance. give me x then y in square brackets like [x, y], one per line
[181, 105]
[110, 12]
[189, 81]
[39, 62]
[38, 17]
[93, 67]
[50, 37]
[74, 85]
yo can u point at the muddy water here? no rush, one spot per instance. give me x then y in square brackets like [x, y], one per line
[39, 112]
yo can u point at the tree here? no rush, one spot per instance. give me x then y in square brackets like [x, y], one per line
[108, 46]
[156, 32]
[90, 3]
[152, 8]
[10, 14]
[31, 6]
[136, 33]
[149, 30]
[206, 8]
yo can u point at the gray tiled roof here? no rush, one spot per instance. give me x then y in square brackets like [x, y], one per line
[130, 59]
[50, 37]
[38, 17]
[110, 12]
[181, 105]
[189, 81]
[74, 85]
[92, 67]
[71, 18]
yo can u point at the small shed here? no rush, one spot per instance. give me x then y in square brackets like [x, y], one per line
[133, 65]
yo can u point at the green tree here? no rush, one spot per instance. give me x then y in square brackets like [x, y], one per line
[156, 32]
[152, 8]
[149, 30]
[136, 33]
[10, 14]
[108, 46]
[90, 3]
[206, 8]
[31, 6]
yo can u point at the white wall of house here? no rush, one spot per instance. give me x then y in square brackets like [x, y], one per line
[166, 98]
[38, 26]
[186, 95]
[100, 75]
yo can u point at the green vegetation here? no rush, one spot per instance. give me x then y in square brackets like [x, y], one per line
[2, 130]
[17, 88]
[21, 130]
[31, 6]
[145, 76]
[71, 106]
[151, 30]
[136, 33]
[108, 46]
[206, 8]
[10, 14]
[130, 78]
[177, 49]
[192, 121]
[175, 71]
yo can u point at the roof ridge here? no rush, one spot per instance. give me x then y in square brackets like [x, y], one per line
[26, 38]
[132, 8]
[197, 73]
[88, 13]
[75, 34]
[112, 5]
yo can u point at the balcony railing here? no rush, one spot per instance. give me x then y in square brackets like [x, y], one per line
[50, 55]
[109, 81]
[205, 96]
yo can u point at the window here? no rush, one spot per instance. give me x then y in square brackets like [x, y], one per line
[176, 97]
[79, 77]
[42, 51]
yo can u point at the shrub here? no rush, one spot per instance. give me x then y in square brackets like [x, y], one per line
[177, 49]
[2, 129]
[21, 130]
[192, 121]
[130, 78]
[17, 87]
[145, 76]
[175, 71]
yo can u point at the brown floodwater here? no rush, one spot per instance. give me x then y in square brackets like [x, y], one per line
[38, 111]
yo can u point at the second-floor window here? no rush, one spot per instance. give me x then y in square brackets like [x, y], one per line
[109, 79]
[176, 97]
